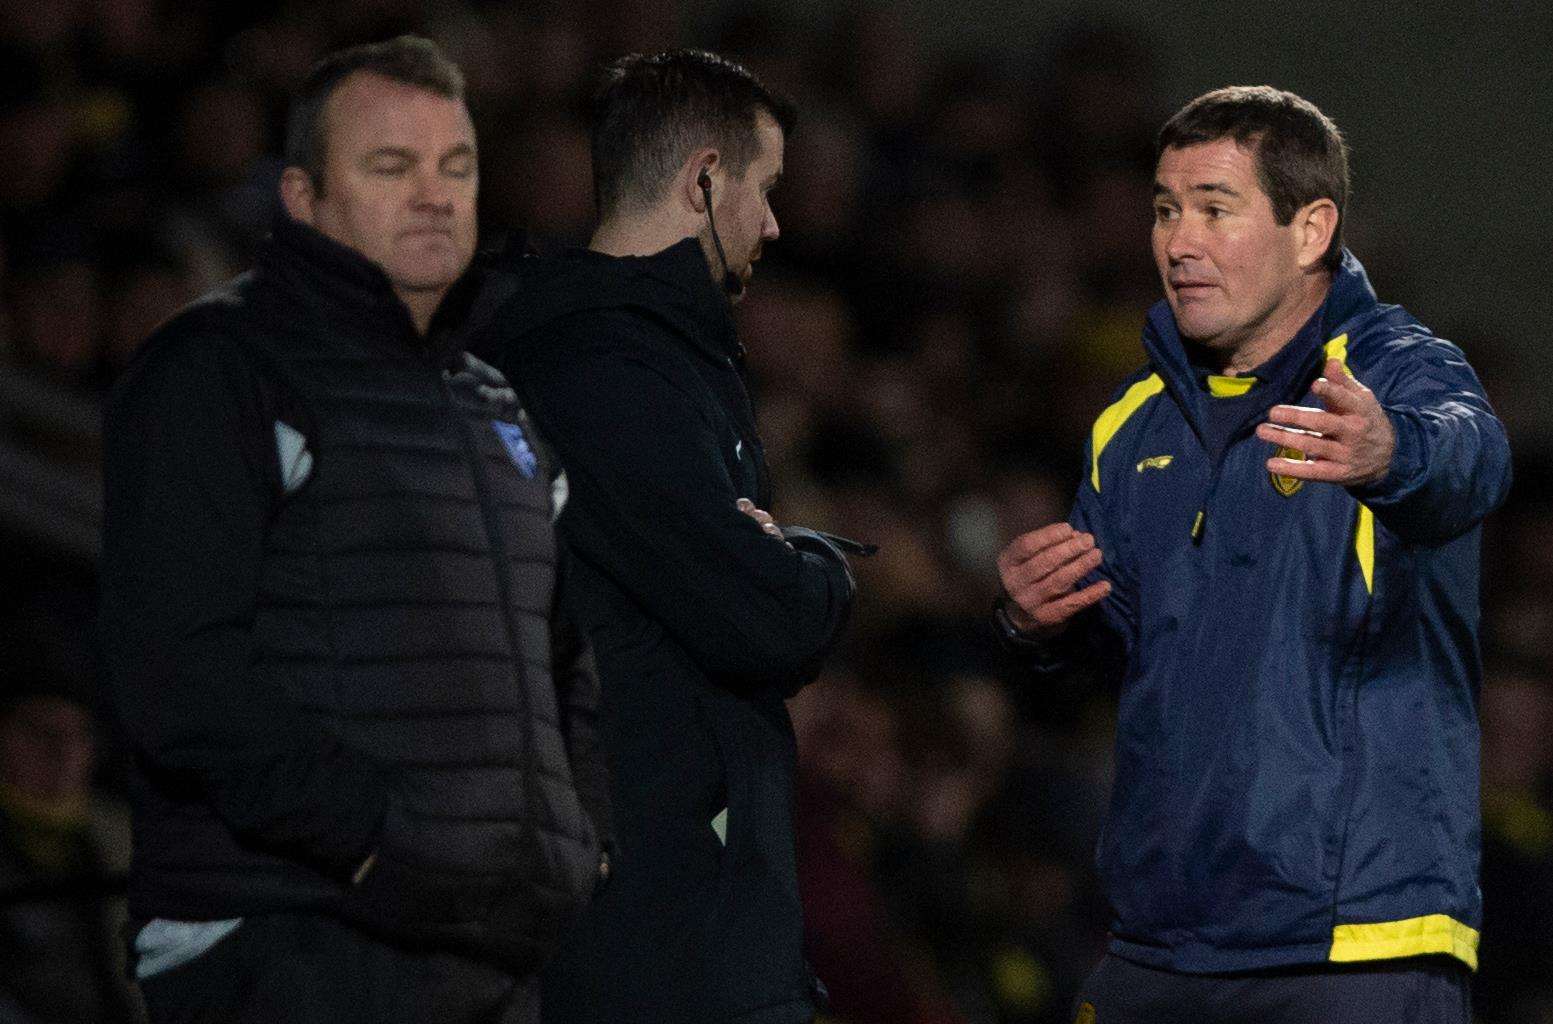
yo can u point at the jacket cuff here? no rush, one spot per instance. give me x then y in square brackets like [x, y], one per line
[1037, 653]
[1407, 462]
[822, 548]
[825, 547]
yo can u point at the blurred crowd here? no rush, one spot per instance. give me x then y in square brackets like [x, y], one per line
[961, 278]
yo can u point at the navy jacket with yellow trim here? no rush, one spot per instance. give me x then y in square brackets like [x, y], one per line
[1297, 745]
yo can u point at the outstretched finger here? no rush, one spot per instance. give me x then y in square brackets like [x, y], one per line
[1325, 471]
[1336, 371]
[1341, 394]
[1301, 417]
[1310, 445]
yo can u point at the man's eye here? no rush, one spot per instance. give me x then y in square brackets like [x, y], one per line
[458, 168]
[1165, 213]
[1215, 212]
[391, 170]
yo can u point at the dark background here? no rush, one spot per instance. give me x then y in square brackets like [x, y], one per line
[959, 286]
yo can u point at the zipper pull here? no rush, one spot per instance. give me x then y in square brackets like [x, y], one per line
[1197, 525]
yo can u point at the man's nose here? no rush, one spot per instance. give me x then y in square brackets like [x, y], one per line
[433, 191]
[1184, 240]
[770, 231]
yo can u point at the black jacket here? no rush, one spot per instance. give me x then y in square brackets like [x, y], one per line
[702, 625]
[328, 596]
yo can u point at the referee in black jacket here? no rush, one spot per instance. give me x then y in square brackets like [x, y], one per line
[704, 619]
[366, 786]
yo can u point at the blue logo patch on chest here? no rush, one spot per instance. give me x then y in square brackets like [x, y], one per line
[518, 447]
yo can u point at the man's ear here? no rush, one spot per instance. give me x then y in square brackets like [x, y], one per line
[1316, 223]
[297, 194]
[688, 185]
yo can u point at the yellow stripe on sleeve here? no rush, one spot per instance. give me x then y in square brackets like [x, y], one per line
[1364, 546]
[1116, 415]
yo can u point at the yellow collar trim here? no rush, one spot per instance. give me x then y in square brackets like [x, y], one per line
[1229, 387]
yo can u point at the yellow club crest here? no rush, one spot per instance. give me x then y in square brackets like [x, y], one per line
[1156, 462]
[1287, 485]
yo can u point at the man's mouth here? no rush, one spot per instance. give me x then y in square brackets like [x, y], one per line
[1190, 289]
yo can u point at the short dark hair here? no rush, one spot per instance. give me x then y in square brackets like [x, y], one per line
[411, 60]
[653, 110]
[1300, 154]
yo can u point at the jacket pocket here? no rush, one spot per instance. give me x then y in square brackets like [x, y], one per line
[406, 891]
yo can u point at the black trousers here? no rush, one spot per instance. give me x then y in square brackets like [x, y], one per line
[1432, 990]
[298, 968]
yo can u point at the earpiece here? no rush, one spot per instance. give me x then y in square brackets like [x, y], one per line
[732, 284]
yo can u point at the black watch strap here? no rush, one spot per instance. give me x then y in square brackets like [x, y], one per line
[1039, 653]
[1008, 632]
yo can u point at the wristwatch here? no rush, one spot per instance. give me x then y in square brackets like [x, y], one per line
[1007, 631]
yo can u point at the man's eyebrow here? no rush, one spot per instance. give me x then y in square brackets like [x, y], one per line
[399, 151]
[1215, 187]
[462, 149]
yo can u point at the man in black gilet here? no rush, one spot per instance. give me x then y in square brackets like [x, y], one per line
[365, 784]
[705, 616]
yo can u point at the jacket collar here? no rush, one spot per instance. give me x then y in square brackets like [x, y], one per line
[344, 287]
[682, 278]
[1349, 300]
[522, 292]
